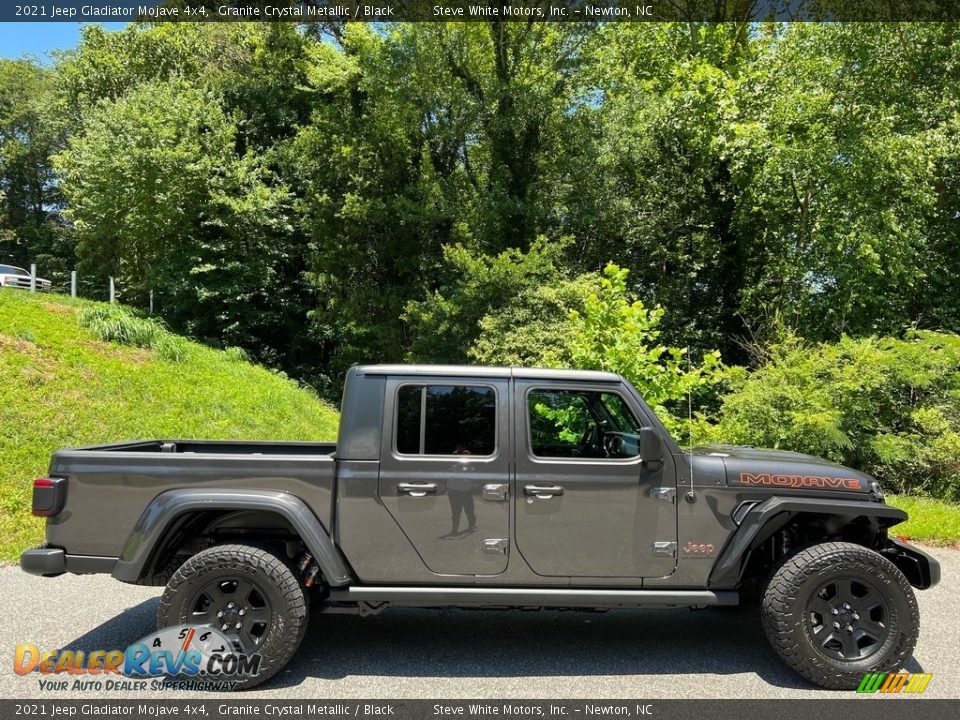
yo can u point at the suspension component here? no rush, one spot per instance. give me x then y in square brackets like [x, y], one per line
[308, 569]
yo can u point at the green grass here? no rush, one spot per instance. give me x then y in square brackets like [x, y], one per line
[936, 522]
[62, 386]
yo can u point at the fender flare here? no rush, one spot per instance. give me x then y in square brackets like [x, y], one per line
[770, 515]
[166, 507]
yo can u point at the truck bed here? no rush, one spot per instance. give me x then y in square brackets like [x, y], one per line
[109, 486]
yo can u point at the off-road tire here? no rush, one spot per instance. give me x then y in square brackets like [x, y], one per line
[266, 572]
[791, 623]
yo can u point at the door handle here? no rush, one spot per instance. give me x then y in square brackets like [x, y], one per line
[416, 489]
[544, 492]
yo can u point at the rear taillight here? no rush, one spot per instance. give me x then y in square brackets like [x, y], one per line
[49, 495]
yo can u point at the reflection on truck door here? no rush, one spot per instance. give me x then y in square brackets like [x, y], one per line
[445, 480]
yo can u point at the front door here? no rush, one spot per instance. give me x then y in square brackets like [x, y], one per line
[585, 502]
[444, 474]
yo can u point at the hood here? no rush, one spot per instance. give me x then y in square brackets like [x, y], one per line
[758, 468]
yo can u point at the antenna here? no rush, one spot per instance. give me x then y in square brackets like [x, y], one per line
[691, 495]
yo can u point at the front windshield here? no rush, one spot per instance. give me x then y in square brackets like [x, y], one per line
[12, 270]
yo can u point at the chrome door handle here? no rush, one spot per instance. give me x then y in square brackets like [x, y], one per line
[544, 492]
[416, 489]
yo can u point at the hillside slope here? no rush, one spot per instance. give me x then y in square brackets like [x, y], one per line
[60, 386]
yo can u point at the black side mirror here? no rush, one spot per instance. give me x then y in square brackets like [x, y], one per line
[651, 448]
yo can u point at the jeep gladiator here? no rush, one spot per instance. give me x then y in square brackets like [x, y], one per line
[478, 487]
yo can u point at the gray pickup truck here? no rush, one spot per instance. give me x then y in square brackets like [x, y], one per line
[481, 487]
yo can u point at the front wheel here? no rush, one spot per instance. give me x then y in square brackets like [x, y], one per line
[836, 611]
[246, 592]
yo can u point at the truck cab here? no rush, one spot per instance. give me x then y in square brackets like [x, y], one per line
[491, 471]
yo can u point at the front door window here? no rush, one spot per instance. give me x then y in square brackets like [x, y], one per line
[581, 424]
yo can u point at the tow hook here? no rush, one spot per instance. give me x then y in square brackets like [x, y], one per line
[308, 570]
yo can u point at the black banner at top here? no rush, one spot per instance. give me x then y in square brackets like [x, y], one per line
[312, 11]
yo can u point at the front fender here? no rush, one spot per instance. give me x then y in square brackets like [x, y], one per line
[771, 515]
[164, 510]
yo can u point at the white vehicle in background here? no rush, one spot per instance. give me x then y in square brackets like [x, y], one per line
[12, 276]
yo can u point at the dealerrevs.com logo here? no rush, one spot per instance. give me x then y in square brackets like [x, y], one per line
[895, 683]
[185, 651]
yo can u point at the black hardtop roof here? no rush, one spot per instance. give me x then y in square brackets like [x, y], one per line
[490, 372]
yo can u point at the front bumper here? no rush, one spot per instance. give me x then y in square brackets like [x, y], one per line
[23, 283]
[920, 569]
[52, 561]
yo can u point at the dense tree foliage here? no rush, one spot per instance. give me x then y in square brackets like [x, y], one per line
[452, 192]
[888, 406]
[594, 322]
[31, 129]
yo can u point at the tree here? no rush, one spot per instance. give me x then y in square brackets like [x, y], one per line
[422, 137]
[31, 229]
[653, 187]
[605, 327]
[174, 173]
[392, 182]
[841, 156]
[447, 323]
[161, 200]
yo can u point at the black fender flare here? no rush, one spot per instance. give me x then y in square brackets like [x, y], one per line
[921, 569]
[166, 507]
[770, 515]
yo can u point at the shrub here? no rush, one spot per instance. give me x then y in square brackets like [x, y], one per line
[236, 354]
[887, 406]
[113, 323]
[616, 332]
[594, 322]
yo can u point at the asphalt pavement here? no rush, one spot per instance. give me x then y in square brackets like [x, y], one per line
[649, 654]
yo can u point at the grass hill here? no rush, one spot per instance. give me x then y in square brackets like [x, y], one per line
[74, 372]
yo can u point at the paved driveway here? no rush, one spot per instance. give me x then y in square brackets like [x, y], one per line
[476, 654]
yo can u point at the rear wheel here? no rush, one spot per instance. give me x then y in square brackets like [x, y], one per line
[246, 592]
[837, 611]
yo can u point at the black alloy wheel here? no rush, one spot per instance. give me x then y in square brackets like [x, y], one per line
[836, 611]
[247, 592]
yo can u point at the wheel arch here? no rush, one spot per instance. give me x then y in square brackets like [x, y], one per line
[860, 522]
[175, 512]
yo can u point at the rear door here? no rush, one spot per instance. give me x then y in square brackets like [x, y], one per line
[586, 505]
[444, 473]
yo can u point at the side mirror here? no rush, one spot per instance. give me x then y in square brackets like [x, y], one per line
[651, 448]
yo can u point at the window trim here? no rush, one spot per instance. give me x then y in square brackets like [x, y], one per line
[424, 384]
[633, 459]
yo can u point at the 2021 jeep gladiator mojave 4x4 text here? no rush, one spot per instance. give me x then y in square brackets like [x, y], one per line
[490, 487]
